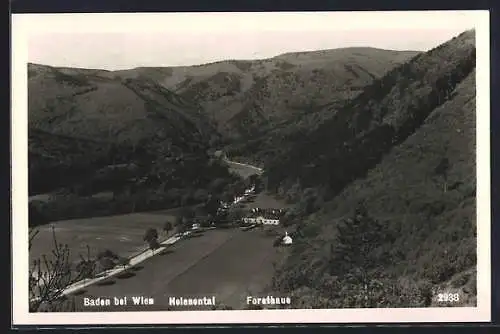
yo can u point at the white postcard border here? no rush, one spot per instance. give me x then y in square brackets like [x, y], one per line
[25, 24]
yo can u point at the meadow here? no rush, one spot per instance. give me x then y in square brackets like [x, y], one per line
[122, 234]
[229, 264]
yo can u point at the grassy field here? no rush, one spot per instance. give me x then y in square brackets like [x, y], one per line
[228, 263]
[123, 234]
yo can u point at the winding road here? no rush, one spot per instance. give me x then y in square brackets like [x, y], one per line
[256, 169]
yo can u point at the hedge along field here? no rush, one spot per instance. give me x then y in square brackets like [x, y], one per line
[122, 234]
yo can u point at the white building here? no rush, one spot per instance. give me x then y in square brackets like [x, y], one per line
[237, 199]
[287, 240]
[261, 220]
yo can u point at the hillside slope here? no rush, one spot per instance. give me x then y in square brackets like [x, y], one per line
[245, 96]
[403, 155]
[88, 104]
[83, 121]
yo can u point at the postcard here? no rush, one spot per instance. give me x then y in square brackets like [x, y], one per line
[219, 168]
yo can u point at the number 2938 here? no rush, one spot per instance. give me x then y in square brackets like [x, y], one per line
[448, 297]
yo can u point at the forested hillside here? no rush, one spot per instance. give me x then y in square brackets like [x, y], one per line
[386, 190]
[134, 142]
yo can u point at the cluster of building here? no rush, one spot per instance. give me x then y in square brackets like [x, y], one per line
[261, 220]
[264, 216]
[238, 199]
[256, 215]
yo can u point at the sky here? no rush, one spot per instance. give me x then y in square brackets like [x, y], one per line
[123, 41]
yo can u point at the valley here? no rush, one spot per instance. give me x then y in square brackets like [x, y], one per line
[370, 151]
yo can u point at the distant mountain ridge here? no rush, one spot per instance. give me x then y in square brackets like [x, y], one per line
[244, 98]
[244, 95]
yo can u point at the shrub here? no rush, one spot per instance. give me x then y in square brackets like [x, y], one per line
[150, 235]
[124, 262]
[107, 254]
[153, 244]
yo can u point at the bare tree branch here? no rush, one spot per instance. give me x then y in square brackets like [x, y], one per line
[49, 277]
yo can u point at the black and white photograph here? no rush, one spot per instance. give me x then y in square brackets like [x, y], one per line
[251, 167]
